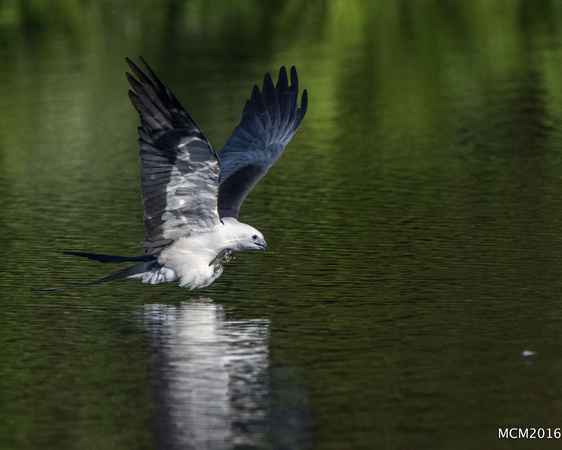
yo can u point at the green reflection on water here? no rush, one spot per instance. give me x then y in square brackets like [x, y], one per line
[73, 376]
[413, 223]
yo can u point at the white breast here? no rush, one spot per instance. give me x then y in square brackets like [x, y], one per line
[191, 257]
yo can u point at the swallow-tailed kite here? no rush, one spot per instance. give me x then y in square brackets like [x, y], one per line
[191, 196]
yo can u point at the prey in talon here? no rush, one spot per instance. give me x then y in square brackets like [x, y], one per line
[223, 257]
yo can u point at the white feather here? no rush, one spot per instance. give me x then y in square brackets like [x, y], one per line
[192, 258]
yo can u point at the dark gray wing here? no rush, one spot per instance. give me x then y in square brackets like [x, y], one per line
[180, 171]
[269, 121]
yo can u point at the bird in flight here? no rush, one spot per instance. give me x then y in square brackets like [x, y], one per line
[191, 195]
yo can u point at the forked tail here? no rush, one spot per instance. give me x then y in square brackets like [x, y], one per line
[111, 258]
[149, 263]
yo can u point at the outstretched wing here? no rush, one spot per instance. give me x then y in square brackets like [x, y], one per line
[269, 121]
[180, 171]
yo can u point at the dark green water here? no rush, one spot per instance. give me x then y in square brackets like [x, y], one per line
[413, 225]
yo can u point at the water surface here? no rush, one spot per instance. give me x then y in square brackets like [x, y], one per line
[413, 226]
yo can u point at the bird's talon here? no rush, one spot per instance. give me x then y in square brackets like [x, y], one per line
[224, 257]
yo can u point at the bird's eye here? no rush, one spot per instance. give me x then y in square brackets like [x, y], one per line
[255, 237]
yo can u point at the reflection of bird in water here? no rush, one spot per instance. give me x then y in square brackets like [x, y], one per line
[210, 376]
[191, 196]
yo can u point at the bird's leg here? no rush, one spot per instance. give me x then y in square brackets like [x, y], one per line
[223, 257]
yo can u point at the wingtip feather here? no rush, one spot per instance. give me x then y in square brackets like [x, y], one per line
[304, 101]
[294, 79]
